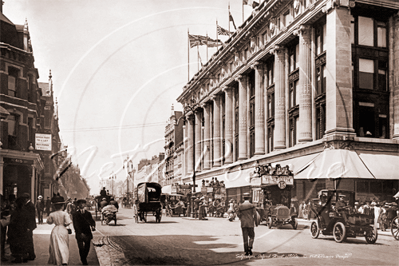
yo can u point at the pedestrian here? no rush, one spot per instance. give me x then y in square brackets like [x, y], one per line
[247, 214]
[18, 232]
[31, 217]
[70, 208]
[59, 239]
[40, 209]
[4, 222]
[48, 206]
[83, 224]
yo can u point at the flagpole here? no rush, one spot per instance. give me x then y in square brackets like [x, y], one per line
[198, 56]
[188, 55]
[229, 17]
[242, 13]
[206, 46]
[217, 40]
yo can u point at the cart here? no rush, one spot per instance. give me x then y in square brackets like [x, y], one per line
[273, 196]
[341, 223]
[147, 200]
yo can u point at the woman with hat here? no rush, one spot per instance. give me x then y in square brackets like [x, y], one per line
[59, 239]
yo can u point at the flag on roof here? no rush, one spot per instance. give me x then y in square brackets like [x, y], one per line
[231, 19]
[250, 3]
[222, 31]
[196, 40]
[213, 43]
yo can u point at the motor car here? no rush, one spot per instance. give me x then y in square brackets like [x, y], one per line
[341, 222]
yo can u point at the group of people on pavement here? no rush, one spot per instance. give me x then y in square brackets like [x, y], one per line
[18, 220]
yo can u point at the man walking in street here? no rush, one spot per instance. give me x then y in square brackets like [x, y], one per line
[29, 208]
[247, 214]
[83, 224]
[48, 206]
[40, 209]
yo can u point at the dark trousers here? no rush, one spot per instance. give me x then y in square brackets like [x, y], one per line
[248, 235]
[84, 247]
[3, 240]
[29, 245]
[40, 216]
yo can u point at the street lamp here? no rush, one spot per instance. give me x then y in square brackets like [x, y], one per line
[190, 107]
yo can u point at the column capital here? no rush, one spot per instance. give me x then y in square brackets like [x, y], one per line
[237, 78]
[302, 29]
[276, 49]
[214, 97]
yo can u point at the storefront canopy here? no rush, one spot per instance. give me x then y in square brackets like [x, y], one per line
[167, 189]
[383, 166]
[335, 163]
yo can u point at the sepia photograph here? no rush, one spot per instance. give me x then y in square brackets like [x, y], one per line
[199, 132]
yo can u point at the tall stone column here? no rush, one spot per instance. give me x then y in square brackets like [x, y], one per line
[305, 84]
[279, 94]
[1, 175]
[339, 113]
[394, 32]
[207, 135]
[198, 129]
[242, 134]
[259, 110]
[229, 124]
[190, 143]
[216, 130]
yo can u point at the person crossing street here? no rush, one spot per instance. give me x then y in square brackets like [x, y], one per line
[247, 214]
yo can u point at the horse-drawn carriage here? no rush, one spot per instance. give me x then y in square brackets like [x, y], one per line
[147, 200]
[109, 215]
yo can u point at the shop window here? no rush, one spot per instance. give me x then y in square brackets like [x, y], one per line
[362, 187]
[376, 187]
[366, 119]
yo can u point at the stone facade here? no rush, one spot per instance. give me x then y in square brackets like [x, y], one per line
[305, 77]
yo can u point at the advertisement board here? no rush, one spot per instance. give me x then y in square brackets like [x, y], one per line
[43, 142]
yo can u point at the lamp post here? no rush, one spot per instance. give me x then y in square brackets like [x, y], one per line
[190, 107]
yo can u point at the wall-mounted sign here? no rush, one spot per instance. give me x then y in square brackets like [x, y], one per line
[43, 142]
[275, 180]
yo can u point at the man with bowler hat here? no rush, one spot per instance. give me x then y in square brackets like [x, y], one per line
[30, 210]
[83, 224]
[247, 214]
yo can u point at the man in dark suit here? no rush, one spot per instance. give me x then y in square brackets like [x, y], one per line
[30, 210]
[83, 224]
[247, 214]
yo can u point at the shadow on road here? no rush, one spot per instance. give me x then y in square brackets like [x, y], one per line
[186, 250]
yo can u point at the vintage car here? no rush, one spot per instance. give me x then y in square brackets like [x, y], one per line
[280, 215]
[341, 222]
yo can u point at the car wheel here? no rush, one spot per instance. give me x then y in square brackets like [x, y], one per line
[339, 232]
[395, 227]
[314, 230]
[270, 222]
[371, 236]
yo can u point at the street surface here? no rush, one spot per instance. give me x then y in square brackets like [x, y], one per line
[216, 241]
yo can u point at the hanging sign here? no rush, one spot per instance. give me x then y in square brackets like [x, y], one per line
[43, 142]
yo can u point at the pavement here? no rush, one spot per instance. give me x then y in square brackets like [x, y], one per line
[41, 240]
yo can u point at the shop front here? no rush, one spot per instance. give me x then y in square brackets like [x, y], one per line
[20, 173]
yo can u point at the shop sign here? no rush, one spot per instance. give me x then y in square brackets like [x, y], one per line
[43, 142]
[275, 180]
[209, 189]
[19, 161]
[203, 190]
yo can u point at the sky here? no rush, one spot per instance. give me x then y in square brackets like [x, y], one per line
[117, 68]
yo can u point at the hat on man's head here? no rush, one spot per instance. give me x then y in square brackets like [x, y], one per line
[40, 197]
[58, 200]
[79, 201]
[246, 195]
[342, 195]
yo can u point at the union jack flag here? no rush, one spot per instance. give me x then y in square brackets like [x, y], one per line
[222, 31]
[196, 40]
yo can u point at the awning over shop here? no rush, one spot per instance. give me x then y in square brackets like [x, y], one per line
[167, 189]
[383, 166]
[335, 163]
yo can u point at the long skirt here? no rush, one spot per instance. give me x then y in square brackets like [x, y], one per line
[59, 246]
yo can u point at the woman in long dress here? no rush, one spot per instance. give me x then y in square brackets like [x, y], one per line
[59, 239]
